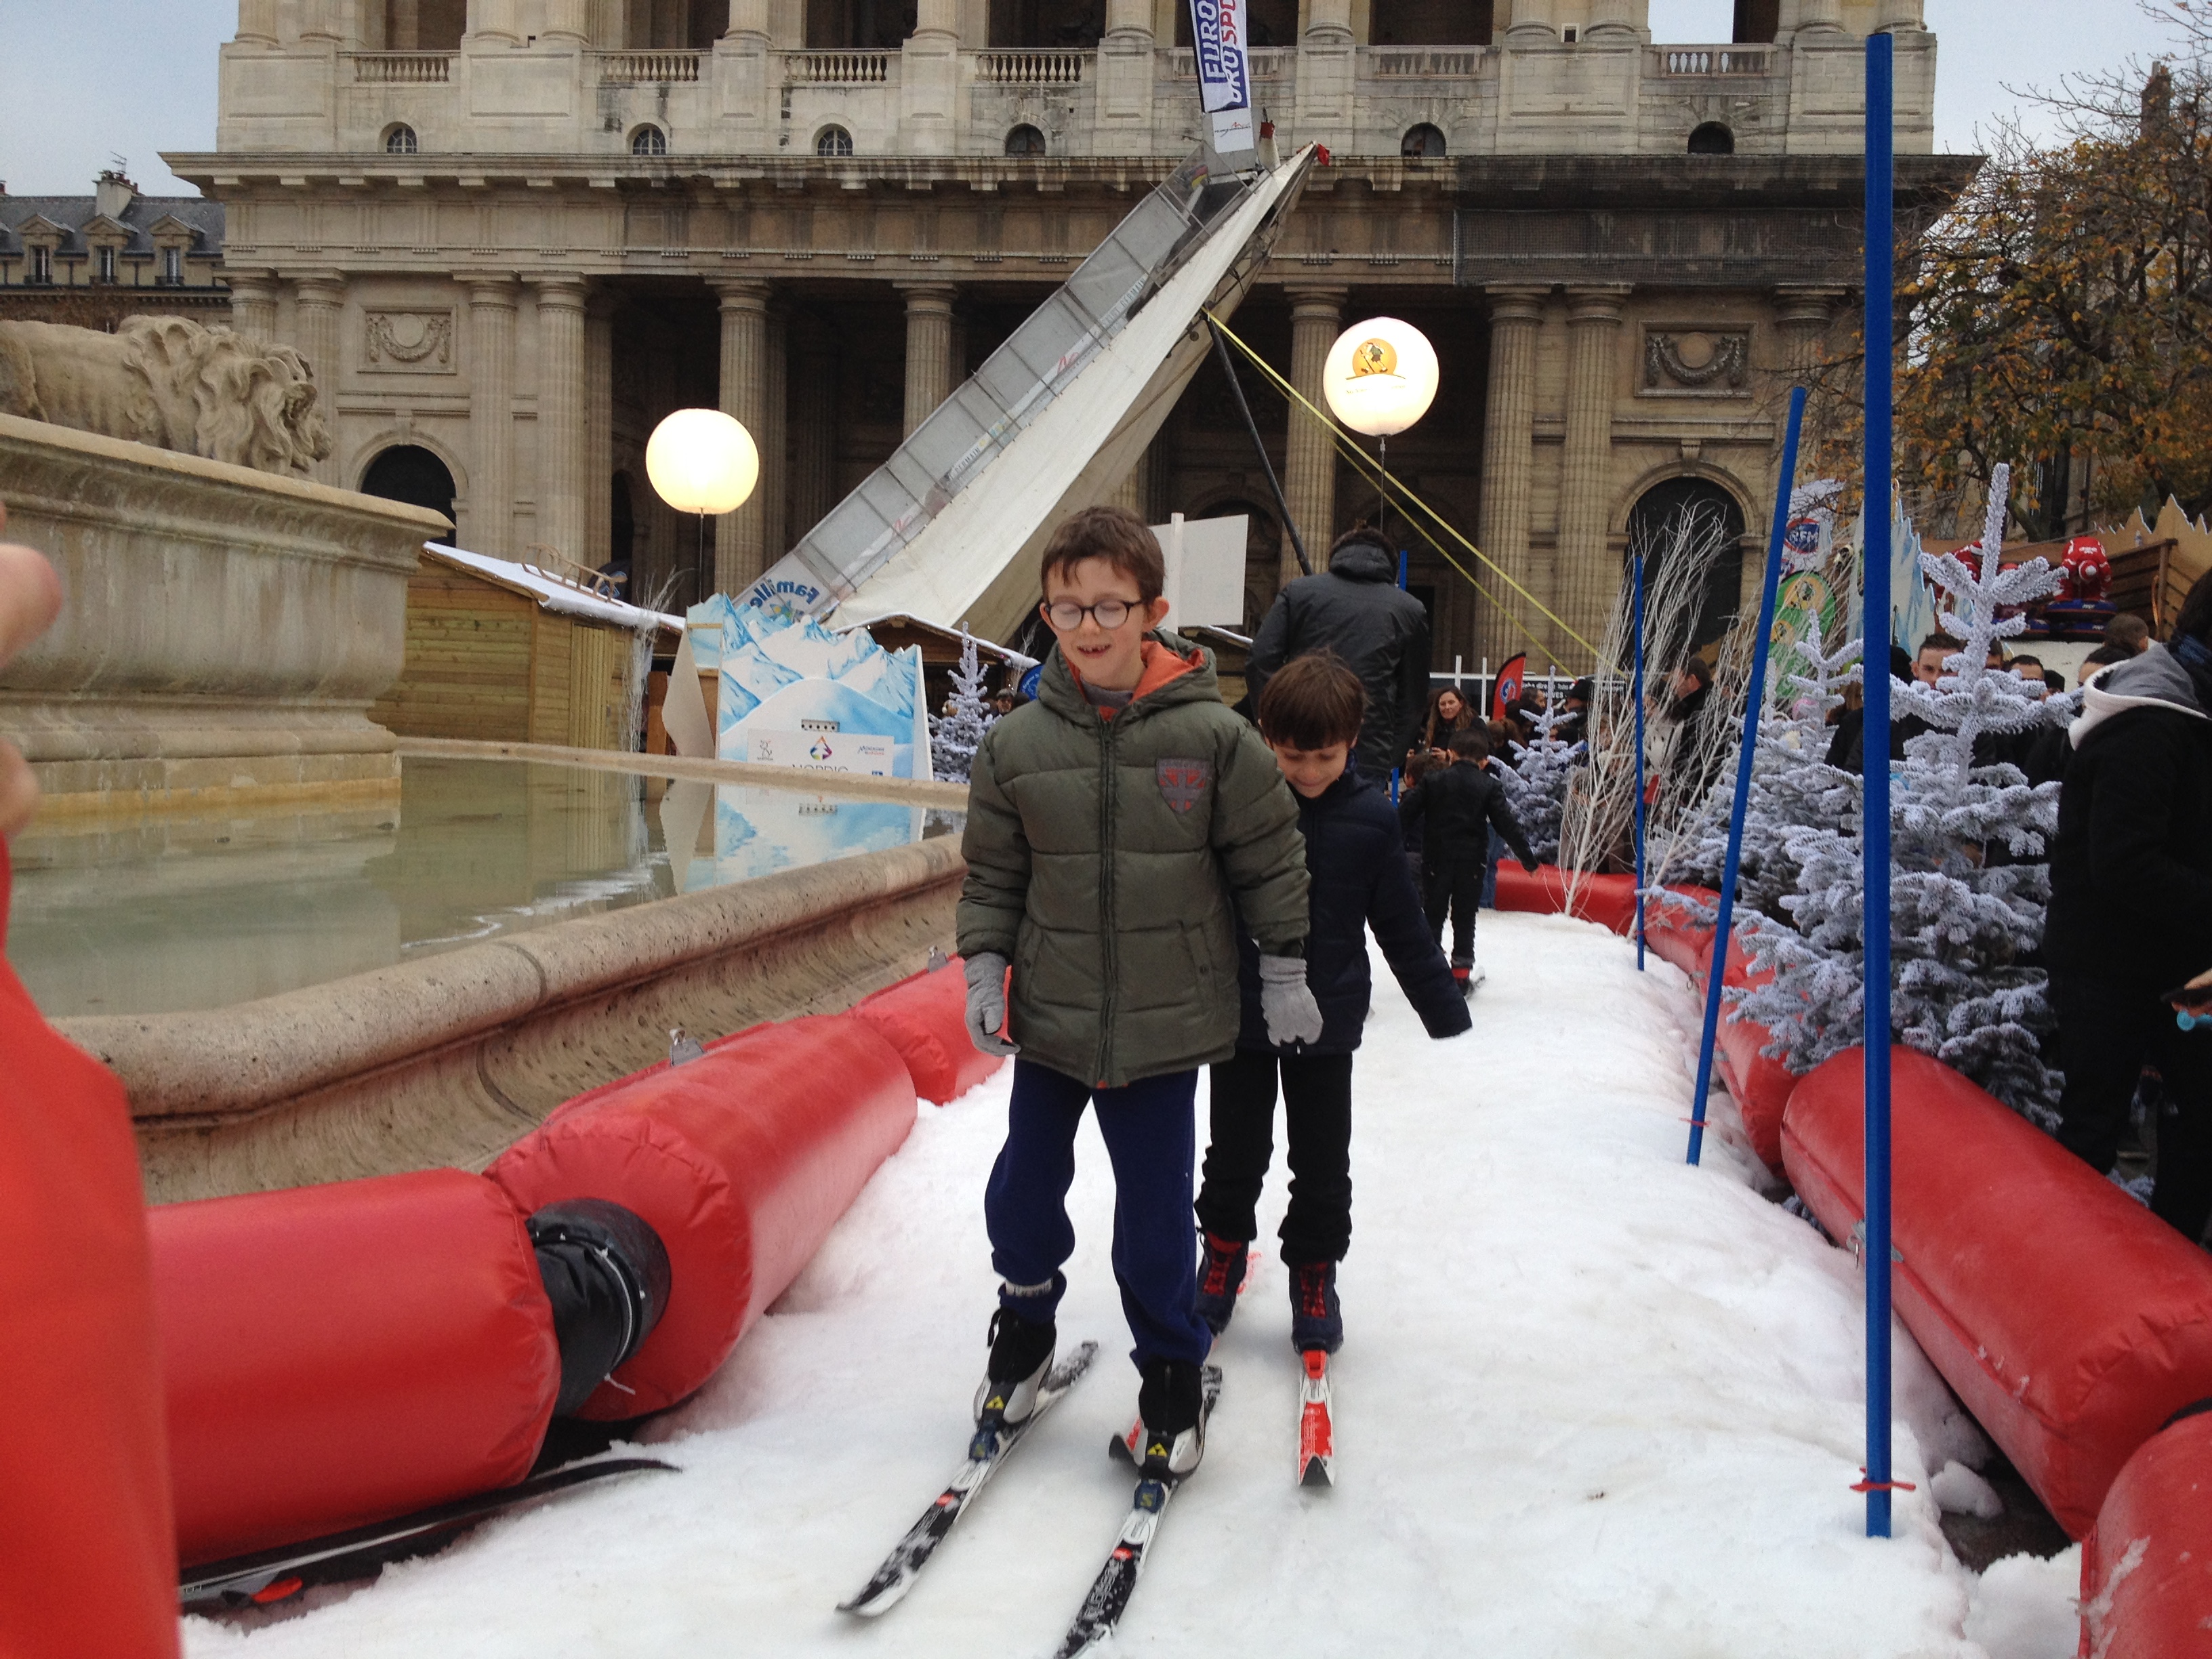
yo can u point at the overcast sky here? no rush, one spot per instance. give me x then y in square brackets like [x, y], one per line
[86, 80]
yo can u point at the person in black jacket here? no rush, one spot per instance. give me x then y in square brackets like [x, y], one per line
[1310, 716]
[1456, 807]
[2131, 908]
[1356, 610]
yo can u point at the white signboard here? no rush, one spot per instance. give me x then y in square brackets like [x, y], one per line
[822, 751]
[1205, 570]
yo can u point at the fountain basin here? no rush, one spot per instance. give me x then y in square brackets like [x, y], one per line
[223, 633]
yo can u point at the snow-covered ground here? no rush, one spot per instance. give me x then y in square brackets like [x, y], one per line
[1591, 1401]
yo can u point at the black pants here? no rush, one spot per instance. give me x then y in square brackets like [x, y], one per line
[1318, 1122]
[2107, 1033]
[1456, 889]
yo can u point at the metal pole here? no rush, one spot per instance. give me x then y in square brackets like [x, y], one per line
[1636, 696]
[1880, 346]
[1266, 466]
[1717, 972]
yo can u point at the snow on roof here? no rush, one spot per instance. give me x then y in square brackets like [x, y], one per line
[901, 619]
[551, 591]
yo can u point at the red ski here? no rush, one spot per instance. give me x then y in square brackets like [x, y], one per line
[1316, 1431]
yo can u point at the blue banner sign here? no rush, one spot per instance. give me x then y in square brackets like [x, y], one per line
[1225, 81]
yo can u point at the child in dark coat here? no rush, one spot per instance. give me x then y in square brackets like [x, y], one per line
[1455, 808]
[1311, 716]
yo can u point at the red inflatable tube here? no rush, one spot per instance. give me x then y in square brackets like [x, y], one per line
[1673, 934]
[1609, 901]
[1759, 1085]
[2069, 1321]
[741, 1161]
[88, 1548]
[2145, 1591]
[340, 1354]
[925, 1019]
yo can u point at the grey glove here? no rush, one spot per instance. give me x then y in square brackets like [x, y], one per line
[986, 1002]
[1291, 1014]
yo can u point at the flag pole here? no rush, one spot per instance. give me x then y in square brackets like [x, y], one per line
[1876, 543]
[1717, 972]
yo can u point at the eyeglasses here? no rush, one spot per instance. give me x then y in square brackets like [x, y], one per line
[1067, 616]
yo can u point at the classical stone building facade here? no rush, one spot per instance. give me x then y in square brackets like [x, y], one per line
[511, 235]
[90, 261]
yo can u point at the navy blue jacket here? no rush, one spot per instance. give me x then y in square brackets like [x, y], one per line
[1356, 864]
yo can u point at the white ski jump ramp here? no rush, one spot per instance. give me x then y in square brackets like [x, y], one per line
[948, 529]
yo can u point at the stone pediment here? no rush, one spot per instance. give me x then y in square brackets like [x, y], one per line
[169, 228]
[100, 228]
[39, 229]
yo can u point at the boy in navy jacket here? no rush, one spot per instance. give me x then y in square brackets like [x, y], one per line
[1311, 716]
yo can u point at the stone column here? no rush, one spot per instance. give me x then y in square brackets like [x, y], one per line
[1611, 17]
[1803, 314]
[403, 29]
[253, 304]
[739, 543]
[1586, 575]
[813, 426]
[319, 20]
[1508, 418]
[1820, 16]
[599, 441]
[560, 405]
[321, 298]
[928, 348]
[490, 527]
[1900, 17]
[776, 441]
[1531, 24]
[566, 21]
[1134, 492]
[257, 22]
[494, 20]
[1309, 452]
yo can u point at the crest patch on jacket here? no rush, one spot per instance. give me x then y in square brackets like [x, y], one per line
[1182, 781]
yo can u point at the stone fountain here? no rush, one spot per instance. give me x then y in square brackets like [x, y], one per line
[227, 624]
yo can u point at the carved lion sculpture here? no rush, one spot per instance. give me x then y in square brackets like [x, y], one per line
[174, 384]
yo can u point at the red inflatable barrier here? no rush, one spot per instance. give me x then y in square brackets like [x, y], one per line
[88, 1548]
[1609, 901]
[2145, 1590]
[741, 1161]
[925, 1019]
[2069, 1321]
[1759, 1085]
[344, 1353]
[1673, 934]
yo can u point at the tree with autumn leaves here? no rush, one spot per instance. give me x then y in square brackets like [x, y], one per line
[2062, 311]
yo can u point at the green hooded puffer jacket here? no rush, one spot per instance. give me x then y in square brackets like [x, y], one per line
[1103, 857]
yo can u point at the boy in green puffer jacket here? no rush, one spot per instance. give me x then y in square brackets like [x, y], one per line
[1112, 825]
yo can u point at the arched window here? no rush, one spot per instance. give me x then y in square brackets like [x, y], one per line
[1422, 143]
[1713, 139]
[1680, 518]
[1026, 140]
[833, 141]
[410, 473]
[648, 141]
[399, 140]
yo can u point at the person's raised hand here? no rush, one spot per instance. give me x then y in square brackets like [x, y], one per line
[30, 599]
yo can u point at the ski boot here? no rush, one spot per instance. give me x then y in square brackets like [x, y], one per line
[1221, 1274]
[1317, 1319]
[1469, 976]
[1021, 1354]
[1171, 1413]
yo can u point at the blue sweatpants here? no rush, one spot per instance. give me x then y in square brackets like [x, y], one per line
[1148, 1128]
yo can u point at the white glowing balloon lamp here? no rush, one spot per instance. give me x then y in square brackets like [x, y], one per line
[701, 460]
[1380, 376]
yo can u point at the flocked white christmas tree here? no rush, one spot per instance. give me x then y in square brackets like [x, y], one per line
[1793, 789]
[955, 734]
[1968, 882]
[1536, 783]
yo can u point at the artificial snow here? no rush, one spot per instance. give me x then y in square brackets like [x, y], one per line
[1957, 1490]
[1591, 1401]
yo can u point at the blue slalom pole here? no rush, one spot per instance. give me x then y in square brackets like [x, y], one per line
[1733, 864]
[1881, 347]
[1636, 696]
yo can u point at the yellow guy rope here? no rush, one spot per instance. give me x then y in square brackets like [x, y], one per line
[1371, 470]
